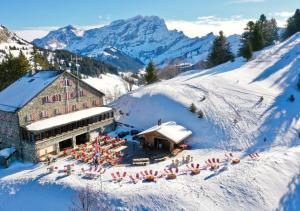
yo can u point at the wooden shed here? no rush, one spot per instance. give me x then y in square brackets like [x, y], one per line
[165, 136]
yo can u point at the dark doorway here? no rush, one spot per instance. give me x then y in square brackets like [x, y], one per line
[163, 144]
[65, 144]
[81, 139]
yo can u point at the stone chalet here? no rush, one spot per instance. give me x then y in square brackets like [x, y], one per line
[45, 112]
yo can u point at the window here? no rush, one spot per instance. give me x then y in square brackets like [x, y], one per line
[82, 93]
[65, 83]
[30, 117]
[96, 103]
[58, 111]
[85, 105]
[44, 114]
[51, 99]
[70, 95]
[74, 107]
[68, 109]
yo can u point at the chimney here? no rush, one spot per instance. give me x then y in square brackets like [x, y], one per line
[159, 122]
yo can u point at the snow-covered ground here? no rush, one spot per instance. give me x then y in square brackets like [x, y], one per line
[246, 110]
[113, 86]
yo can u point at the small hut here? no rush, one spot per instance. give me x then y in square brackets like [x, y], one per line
[7, 156]
[165, 136]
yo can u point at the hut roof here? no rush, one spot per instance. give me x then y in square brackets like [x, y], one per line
[170, 130]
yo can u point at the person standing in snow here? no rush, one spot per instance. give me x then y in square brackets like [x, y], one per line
[95, 159]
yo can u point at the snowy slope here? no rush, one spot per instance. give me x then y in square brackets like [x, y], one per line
[234, 112]
[236, 119]
[143, 38]
[113, 86]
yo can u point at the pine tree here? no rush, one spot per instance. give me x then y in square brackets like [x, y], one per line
[247, 51]
[151, 74]
[258, 35]
[220, 51]
[12, 68]
[246, 47]
[23, 63]
[293, 25]
[257, 39]
[40, 60]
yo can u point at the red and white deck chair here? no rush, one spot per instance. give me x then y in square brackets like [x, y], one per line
[114, 178]
[254, 156]
[213, 163]
[142, 174]
[193, 168]
[101, 170]
[119, 176]
[135, 179]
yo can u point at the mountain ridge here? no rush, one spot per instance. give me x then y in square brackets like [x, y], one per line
[143, 38]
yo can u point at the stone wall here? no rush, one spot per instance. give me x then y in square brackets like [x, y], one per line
[9, 130]
[37, 106]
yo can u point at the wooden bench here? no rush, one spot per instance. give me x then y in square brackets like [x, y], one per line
[141, 161]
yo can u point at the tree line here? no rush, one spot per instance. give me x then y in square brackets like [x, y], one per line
[14, 67]
[257, 35]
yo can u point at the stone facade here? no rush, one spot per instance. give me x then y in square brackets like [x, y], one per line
[37, 106]
[9, 130]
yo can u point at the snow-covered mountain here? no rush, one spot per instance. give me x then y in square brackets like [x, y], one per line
[11, 43]
[60, 38]
[142, 38]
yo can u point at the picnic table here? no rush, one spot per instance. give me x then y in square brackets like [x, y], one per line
[119, 149]
[92, 174]
[141, 161]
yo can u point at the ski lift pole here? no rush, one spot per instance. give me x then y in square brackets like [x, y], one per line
[77, 73]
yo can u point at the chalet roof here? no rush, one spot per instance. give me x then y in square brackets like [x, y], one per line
[170, 130]
[66, 118]
[23, 90]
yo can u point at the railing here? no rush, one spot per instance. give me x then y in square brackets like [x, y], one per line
[70, 134]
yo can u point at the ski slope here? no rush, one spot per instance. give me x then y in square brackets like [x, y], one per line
[246, 110]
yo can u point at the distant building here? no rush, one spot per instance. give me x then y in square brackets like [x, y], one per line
[45, 112]
[165, 136]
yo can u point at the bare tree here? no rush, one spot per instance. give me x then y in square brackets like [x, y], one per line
[128, 83]
[169, 72]
[87, 199]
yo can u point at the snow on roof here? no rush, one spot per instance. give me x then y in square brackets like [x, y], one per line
[66, 118]
[23, 90]
[170, 130]
[6, 152]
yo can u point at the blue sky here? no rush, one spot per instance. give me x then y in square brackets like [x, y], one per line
[43, 15]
